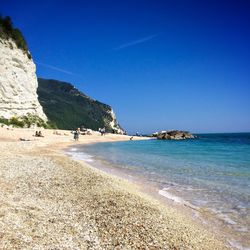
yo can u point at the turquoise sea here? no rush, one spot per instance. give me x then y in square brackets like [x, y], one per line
[211, 173]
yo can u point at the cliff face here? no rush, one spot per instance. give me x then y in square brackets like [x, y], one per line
[68, 108]
[18, 82]
[64, 105]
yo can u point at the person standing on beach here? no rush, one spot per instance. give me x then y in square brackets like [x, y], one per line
[76, 134]
[103, 131]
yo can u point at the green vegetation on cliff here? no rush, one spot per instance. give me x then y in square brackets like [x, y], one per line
[26, 121]
[8, 31]
[68, 108]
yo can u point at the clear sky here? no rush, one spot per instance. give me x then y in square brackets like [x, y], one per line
[159, 64]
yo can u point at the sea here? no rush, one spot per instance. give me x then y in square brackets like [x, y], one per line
[210, 174]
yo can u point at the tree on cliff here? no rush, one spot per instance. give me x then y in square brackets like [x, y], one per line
[7, 31]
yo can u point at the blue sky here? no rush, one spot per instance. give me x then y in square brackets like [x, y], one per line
[159, 64]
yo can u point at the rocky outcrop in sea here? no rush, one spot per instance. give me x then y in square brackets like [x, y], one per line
[173, 135]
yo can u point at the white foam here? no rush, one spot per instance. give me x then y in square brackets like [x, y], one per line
[235, 244]
[224, 217]
[166, 194]
[73, 149]
[176, 199]
[81, 156]
[227, 219]
[84, 157]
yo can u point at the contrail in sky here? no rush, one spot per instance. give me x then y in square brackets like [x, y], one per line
[141, 40]
[57, 69]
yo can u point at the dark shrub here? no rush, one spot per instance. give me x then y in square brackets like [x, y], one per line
[7, 31]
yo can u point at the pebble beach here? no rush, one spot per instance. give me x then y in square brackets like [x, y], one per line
[50, 201]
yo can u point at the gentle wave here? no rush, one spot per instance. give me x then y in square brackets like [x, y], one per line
[78, 155]
[168, 195]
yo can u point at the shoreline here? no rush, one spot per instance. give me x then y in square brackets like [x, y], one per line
[49, 199]
[199, 216]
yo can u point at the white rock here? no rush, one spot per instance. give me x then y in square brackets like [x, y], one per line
[18, 83]
[114, 124]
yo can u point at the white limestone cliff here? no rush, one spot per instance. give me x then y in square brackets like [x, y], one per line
[114, 124]
[18, 83]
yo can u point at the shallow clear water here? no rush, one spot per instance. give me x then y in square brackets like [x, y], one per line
[211, 172]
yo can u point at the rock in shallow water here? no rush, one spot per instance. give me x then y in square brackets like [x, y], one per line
[173, 135]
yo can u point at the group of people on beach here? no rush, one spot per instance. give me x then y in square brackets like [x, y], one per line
[76, 133]
[38, 134]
